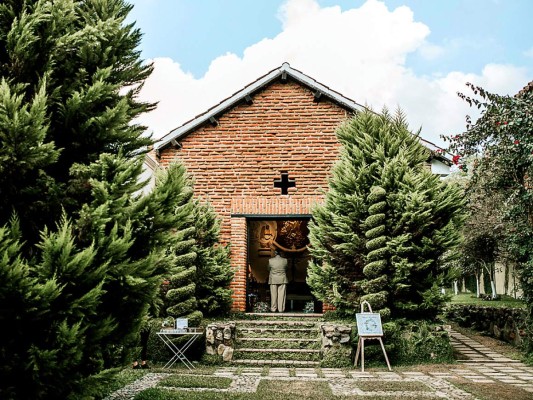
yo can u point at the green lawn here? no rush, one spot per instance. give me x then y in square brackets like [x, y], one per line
[280, 390]
[504, 301]
[194, 381]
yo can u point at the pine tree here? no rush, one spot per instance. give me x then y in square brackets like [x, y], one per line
[213, 268]
[64, 67]
[385, 223]
[84, 263]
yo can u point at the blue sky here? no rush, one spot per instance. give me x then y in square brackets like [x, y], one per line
[402, 52]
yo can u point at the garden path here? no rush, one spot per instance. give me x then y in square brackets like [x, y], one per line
[481, 365]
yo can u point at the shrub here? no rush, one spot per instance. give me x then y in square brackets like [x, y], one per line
[410, 342]
[337, 357]
[503, 323]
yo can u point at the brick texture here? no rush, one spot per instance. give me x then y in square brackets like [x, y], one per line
[235, 163]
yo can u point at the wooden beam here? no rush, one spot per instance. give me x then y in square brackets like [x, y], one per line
[213, 121]
[248, 99]
[317, 96]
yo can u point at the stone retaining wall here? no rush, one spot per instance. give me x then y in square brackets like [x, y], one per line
[220, 339]
[336, 346]
[503, 323]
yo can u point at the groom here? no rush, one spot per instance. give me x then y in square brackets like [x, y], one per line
[277, 279]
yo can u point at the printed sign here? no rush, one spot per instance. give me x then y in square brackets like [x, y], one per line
[181, 324]
[369, 324]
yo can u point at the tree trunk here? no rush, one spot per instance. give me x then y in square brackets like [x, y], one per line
[493, 287]
[492, 272]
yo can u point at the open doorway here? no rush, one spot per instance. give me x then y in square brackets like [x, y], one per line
[290, 238]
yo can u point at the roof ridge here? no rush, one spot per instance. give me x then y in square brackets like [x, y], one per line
[222, 106]
[250, 88]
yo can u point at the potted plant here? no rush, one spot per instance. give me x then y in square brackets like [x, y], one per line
[168, 323]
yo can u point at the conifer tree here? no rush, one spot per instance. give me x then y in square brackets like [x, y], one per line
[180, 300]
[70, 75]
[213, 268]
[375, 270]
[385, 222]
[84, 263]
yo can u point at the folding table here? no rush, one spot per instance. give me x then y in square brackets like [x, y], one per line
[178, 351]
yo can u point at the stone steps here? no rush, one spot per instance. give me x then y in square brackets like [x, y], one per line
[278, 341]
[277, 333]
[278, 363]
[278, 323]
[300, 316]
[280, 331]
[284, 351]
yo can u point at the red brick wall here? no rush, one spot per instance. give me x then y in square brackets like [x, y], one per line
[235, 163]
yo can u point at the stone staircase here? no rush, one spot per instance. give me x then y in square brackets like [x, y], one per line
[282, 340]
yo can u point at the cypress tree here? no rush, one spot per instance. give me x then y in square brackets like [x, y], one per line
[180, 300]
[213, 267]
[375, 270]
[384, 224]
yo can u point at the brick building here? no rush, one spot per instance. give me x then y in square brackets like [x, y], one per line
[262, 158]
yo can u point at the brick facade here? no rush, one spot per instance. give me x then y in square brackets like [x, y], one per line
[235, 163]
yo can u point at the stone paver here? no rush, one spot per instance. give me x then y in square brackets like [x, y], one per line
[128, 392]
[482, 366]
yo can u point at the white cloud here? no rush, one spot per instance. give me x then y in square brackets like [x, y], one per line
[431, 51]
[360, 52]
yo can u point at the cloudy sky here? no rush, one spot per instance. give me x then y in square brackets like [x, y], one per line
[412, 54]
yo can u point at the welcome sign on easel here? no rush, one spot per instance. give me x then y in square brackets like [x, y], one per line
[368, 328]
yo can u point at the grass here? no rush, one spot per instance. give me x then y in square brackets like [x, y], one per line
[126, 376]
[491, 391]
[392, 386]
[121, 379]
[267, 390]
[281, 390]
[195, 381]
[174, 387]
[503, 301]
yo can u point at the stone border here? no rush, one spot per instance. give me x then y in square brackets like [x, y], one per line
[220, 340]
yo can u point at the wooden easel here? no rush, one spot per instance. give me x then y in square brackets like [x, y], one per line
[364, 336]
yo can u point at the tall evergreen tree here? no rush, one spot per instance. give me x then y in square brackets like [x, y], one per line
[84, 253]
[385, 222]
[63, 66]
[376, 281]
[213, 267]
[180, 300]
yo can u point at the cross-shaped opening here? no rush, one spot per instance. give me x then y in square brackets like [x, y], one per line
[284, 183]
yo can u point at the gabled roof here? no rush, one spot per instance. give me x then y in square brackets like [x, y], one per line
[526, 89]
[284, 72]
